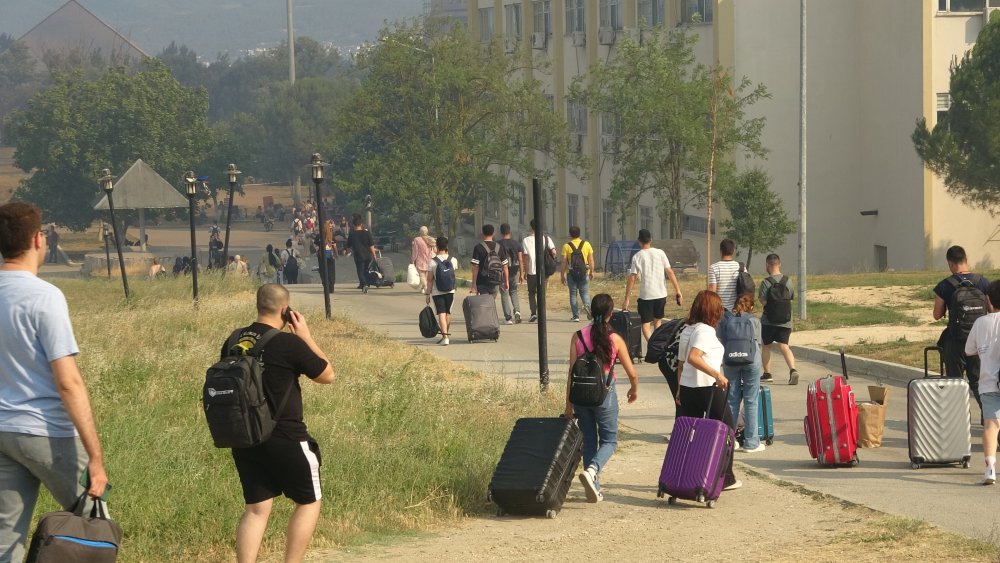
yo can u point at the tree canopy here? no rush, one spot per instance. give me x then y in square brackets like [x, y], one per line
[757, 217]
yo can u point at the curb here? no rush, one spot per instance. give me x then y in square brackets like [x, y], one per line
[876, 369]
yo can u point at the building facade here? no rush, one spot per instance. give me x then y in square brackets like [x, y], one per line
[874, 68]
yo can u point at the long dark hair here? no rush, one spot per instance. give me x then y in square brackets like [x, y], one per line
[600, 334]
[271, 258]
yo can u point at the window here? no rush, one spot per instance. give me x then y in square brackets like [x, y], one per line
[543, 16]
[572, 206]
[576, 118]
[586, 216]
[522, 204]
[607, 221]
[485, 24]
[962, 5]
[943, 103]
[611, 14]
[664, 228]
[698, 11]
[575, 16]
[611, 124]
[646, 218]
[696, 224]
[652, 13]
[512, 20]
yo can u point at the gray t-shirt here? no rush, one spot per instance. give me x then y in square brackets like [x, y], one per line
[34, 330]
[765, 285]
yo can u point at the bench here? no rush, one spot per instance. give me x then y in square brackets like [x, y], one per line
[680, 251]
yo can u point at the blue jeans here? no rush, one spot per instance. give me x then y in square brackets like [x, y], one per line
[744, 385]
[599, 426]
[581, 287]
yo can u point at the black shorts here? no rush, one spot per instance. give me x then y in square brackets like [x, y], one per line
[443, 302]
[650, 309]
[279, 466]
[771, 333]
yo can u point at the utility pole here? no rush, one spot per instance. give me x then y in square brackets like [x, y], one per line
[291, 45]
[802, 162]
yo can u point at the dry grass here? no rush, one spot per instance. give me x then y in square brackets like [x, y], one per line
[901, 351]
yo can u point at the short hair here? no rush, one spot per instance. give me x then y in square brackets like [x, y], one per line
[442, 243]
[504, 229]
[744, 303]
[574, 231]
[19, 223]
[707, 308]
[288, 243]
[271, 297]
[772, 260]
[956, 255]
[534, 225]
[727, 247]
[487, 230]
[645, 236]
[994, 294]
[357, 220]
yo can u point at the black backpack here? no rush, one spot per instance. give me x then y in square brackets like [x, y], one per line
[513, 262]
[588, 386]
[292, 264]
[966, 305]
[778, 308]
[444, 275]
[663, 336]
[551, 264]
[577, 265]
[428, 323]
[234, 399]
[492, 271]
[744, 282]
[739, 341]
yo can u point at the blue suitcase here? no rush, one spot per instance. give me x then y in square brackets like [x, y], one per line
[765, 418]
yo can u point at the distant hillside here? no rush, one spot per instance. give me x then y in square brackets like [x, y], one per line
[222, 25]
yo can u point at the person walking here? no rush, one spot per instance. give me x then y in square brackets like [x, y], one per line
[47, 430]
[490, 273]
[515, 256]
[722, 274]
[962, 295]
[577, 271]
[776, 296]
[744, 380]
[422, 249]
[290, 263]
[599, 425]
[702, 385]
[53, 244]
[362, 247]
[440, 287]
[325, 240]
[984, 343]
[529, 275]
[650, 266]
[267, 267]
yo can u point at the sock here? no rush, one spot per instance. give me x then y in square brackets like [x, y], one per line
[991, 461]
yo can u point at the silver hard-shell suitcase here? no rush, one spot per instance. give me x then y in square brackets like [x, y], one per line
[937, 419]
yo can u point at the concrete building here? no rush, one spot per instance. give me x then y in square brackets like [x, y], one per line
[874, 68]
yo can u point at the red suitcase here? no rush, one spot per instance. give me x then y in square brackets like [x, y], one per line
[831, 423]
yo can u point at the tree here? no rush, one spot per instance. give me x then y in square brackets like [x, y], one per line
[441, 125]
[964, 146]
[69, 132]
[758, 219]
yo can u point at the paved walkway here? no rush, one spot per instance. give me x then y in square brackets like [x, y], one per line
[947, 496]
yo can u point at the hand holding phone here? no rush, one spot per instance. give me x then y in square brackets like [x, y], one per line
[287, 315]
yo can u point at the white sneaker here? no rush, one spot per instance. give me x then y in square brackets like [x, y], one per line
[445, 342]
[589, 487]
[734, 486]
[508, 322]
[759, 448]
[517, 317]
[990, 477]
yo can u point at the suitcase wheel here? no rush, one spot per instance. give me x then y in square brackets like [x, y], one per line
[915, 465]
[700, 498]
[672, 500]
[769, 441]
[550, 514]
[965, 464]
[855, 461]
[710, 504]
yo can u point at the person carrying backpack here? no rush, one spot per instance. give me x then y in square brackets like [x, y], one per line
[288, 462]
[577, 271]
[441, 286]
[742, 366]
[962, 295]
[723, 274]
[775, 295]
[290, 263]
[598, 423]
[515, 255]
[529, 275]
[490, 272]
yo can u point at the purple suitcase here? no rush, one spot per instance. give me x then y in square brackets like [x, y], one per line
[696, 461]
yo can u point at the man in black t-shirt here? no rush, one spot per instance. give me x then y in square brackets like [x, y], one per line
[362, 247]
[288, 462]
[515, 254]
[481, 282]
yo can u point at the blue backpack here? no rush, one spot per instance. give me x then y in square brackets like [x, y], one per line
[740, 341]
[444, 275]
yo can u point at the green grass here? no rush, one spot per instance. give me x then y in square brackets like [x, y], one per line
[900, 351]
[885, 279]
[835, 315]
[408, 441]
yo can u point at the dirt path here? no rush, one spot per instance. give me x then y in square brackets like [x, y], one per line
[900, 298]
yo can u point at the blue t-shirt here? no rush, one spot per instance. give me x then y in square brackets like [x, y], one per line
[34, 330]
[945, 290]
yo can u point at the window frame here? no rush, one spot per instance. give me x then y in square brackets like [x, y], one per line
[610, 14]
[486, 15]
[512, 14]
[576, 16]
[543, 11]
[704, 7]
[657, 12]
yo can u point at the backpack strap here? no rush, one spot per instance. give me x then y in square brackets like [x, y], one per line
[783, 280]
[579, 338]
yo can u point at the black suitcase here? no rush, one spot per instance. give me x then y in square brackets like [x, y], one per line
[537, 467]
[381, 272]
[628, 325]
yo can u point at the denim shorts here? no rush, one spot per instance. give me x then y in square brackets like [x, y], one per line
[991, 405]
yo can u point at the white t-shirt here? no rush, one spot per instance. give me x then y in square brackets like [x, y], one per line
[724, 273]
[432, 270]
[649, 264]
[529, 252]
[984, 339]
[702, 337]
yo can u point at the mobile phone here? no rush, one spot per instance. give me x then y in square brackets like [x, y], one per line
[85, 483]
[287, 315]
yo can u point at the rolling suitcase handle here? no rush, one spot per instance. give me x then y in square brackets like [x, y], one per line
[940, 351]
[843, 363]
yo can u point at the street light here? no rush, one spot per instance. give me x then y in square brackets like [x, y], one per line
[233, 174]
[107, 184]
[191, 181]
[317, 164]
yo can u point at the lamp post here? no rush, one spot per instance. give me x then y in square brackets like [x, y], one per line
[107, 184]
[317, 164]
[191, 182]
[233, 174]
[107, 250]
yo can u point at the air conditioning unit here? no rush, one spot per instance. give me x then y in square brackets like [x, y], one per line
[579, 38]
[606, 36]
[539, 40]
[609, 144]
[509, 44]
[989, 12]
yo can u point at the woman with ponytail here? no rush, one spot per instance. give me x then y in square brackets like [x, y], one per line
[599, 425]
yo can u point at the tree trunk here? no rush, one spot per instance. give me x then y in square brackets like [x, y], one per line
[749, 256]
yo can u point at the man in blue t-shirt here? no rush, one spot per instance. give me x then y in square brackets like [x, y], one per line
[47, 430]
[952, 340]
